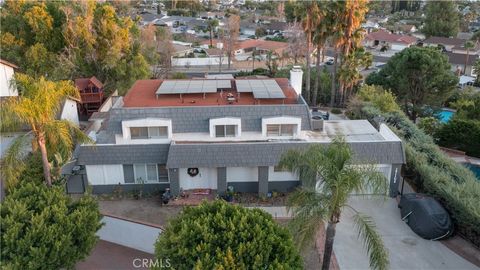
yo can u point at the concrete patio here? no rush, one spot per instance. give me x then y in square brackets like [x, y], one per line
[406, 249]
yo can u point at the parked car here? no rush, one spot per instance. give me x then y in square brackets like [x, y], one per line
[425, 216]
[330, 62]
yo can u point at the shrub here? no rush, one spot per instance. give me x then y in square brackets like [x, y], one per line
[42, 228]
[219, 235]
[432, 172]
[461, 134]
[380, 98]
[179, 76]
[336, 111]
[430, 125]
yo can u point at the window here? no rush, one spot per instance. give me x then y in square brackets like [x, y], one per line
[225, 130]
[139, 132]
[148, 132]
[281, 130]
[145, 173]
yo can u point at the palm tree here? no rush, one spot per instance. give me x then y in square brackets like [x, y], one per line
[328, 178]
[320, 38]
[211, 25]
[309, 23]
[468, 45]
[37, 108]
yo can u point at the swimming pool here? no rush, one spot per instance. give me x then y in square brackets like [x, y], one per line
[444, 115]
[474, 168]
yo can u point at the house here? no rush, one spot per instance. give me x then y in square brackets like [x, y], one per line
[247, 28]
[457, 62]
[91, 94]
[447, 43]
[212, 134]
[382, 38]
[261, 47]
[276, 27]
[146, 18]
[181, 50]
[407, 28]
[214, 52]
[7, 89]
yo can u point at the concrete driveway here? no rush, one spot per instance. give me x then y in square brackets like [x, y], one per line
[406, 249]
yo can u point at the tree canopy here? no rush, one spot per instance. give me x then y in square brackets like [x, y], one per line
[417, 76]
[219, 235]
[442, 19]
[42, 228]
[65, 40]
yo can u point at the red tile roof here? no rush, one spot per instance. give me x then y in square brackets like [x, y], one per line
[82, 83]
[142, 94]
[383, 35]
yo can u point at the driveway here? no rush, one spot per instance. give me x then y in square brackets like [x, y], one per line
[407, 250]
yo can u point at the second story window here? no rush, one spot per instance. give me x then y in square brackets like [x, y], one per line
[277, 130]
[148, 132]
[225, 130]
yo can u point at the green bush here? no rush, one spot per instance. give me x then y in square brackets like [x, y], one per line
[430, 125]
[219, 235]
[179, 76]
[432, 172]
[336, 111]
[382, 99]
[42, 228]
[461, 134]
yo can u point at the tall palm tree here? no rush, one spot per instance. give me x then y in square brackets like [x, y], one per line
[328, 178]
[336, 11]
[353, 16]
[468, 45]
[309, 23]
[320, 38]
[211, 25]
[37, 108]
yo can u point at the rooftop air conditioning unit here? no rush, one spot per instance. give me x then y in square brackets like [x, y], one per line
[317, 123]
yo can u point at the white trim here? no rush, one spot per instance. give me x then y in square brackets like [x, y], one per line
[146, 122]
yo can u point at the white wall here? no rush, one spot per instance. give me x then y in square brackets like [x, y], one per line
[6, 75]
[146, 122]
[398, 47]
[105, 174]
[70, 112]
[206, 178]
[129, 234]
[242, 174]
[210, 61]
[274, 176]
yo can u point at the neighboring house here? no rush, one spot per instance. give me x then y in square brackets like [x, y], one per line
[247, 29]
[91, 94]
[181, 50]
[465, 35]
[214, 52]
[407, 28]
[447, 43]
[457, 62]
[382, 38]
[370, 26]
[260, 46]
[462, 50]
[147, 18]
[212, 134]
[276, 27]
[7, 71]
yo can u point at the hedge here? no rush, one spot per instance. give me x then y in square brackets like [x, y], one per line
[433, 173]
[461, 134]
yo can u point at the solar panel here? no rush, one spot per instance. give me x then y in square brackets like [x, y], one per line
[192, 86]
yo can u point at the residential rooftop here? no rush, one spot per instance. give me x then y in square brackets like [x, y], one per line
[149, 93]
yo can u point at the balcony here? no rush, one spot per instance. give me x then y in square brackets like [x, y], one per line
[91, 97]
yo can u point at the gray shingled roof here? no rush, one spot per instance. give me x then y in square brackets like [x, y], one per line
[269, 153]
[196, 119]
[123, 154]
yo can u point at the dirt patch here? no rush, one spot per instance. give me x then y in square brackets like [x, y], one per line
[147, 210]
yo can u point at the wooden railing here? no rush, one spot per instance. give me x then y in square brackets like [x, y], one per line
[91, 97]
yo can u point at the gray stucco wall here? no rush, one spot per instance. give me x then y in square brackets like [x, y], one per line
[146, 188]
[174, 177]
[262, 180]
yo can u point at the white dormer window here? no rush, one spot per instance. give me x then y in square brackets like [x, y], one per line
[149, 132]
[147, 129]
[283, 126]
[225, 127]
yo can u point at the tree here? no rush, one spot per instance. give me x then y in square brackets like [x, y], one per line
[37, 108]
[296, 41]
[380, 98]
[211, 26]
[418, 76]
[233, 29]
[468, 45]
[327, 181]
[476, 69]
[320, 36]
[271, 63]
[218, 235]
[43, 228]
[441, 19]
